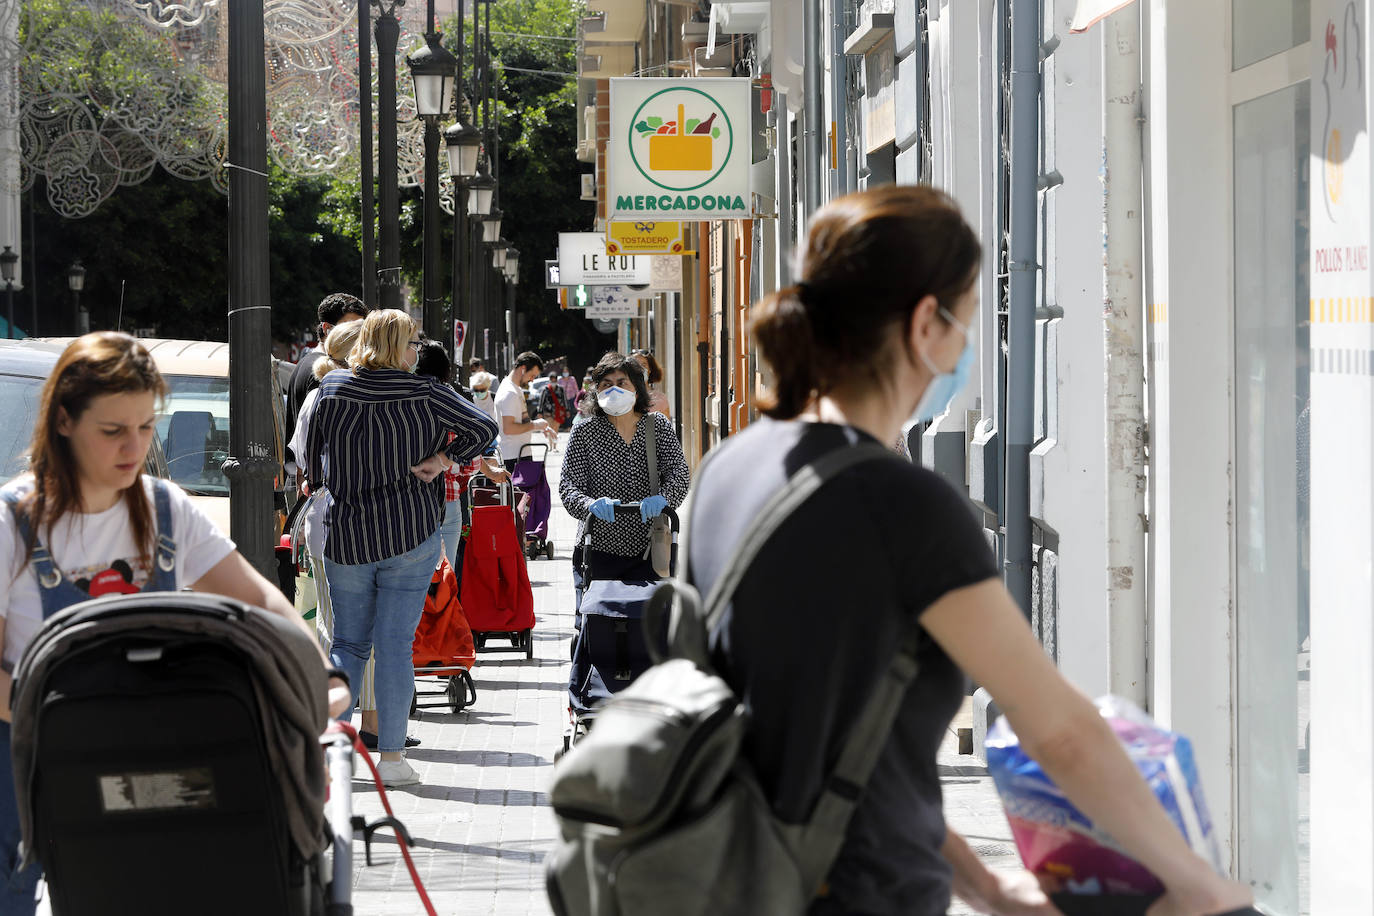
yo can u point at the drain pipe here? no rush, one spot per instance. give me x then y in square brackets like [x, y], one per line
[813, 137]
[1124, 333]
[1025, 151]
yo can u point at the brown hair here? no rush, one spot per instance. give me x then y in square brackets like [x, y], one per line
[651, 367]
[869, 258]
[106, 362]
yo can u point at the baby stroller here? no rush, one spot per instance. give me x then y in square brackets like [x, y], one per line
[443, 645]
[531, 479]
[496, 594]
[169, 744]
[609, 645]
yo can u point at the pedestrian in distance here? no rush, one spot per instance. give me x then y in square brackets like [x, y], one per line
[877, 333]
[653, 374]
[86, 521]
[606, 462]
[334, 309]
[379, 442]
[512, 410]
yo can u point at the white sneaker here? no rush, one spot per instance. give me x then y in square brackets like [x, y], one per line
[397, 773]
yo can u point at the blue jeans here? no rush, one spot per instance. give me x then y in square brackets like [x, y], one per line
[16, 890]
[452, 530]
[378, 605]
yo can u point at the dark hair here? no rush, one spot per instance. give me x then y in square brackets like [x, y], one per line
[655, 371]
[612, 362]
[475, 364]
[529, 360]
[107, 362]
[869, 258]
[434, 362]
[333, 307]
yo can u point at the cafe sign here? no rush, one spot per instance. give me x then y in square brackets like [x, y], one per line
[582, 259]
[679, 149]
[643, 237]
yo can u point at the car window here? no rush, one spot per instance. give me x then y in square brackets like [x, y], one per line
[193, 428]
[19, 395]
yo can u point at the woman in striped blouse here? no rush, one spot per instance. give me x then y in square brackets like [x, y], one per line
[377, 441]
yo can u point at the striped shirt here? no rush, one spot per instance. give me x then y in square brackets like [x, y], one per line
[368, 430]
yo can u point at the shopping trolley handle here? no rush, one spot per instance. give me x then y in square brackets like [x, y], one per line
[668, 511]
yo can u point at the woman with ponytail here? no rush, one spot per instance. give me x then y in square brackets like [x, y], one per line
[877, 333]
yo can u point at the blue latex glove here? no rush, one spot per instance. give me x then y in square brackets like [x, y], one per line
[604, 508]
[651, 507]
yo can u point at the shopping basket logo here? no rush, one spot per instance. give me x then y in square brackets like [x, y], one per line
[681, 138]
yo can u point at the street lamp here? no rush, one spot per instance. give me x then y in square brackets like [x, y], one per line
[8, 261]
[491, 225]
[464, 144]
[76, 282]
[512, 262]
[480, 190]
[498, 254]
[434, 71]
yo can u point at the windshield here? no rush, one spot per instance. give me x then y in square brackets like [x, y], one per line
[193, 428]
[18, 412]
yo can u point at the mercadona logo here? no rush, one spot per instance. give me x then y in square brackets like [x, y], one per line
[680, 140]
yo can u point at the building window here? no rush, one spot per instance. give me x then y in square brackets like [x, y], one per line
[1263, 28]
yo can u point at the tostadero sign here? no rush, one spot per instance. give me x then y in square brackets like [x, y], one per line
[679, 149]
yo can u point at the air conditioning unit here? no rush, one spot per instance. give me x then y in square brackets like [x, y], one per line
[719, 64]
[588, 186]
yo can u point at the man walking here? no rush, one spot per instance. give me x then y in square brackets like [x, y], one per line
[511, 410]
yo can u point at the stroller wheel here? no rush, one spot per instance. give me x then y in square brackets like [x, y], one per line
[462, 693]
[548, 550]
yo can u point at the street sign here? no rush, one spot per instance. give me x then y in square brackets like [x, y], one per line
[679, 148]
[582, 259]
[551, 278]
[643, 237]
[613, 302]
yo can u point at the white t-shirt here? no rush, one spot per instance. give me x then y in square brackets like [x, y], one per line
[510, 402]
[97, 553]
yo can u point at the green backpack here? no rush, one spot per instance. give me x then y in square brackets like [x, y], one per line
[659, 812]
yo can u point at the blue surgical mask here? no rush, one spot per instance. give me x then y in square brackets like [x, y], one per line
[616, 401]
[945, 385]
[480, 395]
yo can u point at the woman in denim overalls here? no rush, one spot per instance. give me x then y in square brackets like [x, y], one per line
[85, 506]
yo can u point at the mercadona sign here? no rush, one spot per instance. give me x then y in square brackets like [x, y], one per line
[679, 149]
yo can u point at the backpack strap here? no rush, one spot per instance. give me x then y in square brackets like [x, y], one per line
[652, 449]
[817, 842]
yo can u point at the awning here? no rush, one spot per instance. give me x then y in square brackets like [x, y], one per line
[1089, 12]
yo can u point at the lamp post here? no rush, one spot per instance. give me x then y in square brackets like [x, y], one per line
[76, 282]
[464, 144]
[434, 71]
[8, 261]
[388, 33]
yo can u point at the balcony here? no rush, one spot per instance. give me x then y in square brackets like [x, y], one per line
[623, 20]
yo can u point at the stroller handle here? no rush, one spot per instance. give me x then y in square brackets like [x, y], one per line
[669, 511]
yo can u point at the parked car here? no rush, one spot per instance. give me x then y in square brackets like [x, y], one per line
[24, 366]
[532, 392]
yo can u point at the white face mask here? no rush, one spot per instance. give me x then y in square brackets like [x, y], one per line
[616, 401]
[480, 395]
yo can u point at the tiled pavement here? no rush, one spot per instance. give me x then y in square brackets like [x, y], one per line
[481, 820]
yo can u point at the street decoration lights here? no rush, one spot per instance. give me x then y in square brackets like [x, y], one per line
[76, 282]
[8, 262]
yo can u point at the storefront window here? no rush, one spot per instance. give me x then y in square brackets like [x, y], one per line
[1263, 28]
[1272, 376]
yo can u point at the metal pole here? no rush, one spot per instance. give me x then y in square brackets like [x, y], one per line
[460, 220]
[1124, 332]
[389, 274]
[1025, 150]
[365, 166]
[251, 437]
[813, 138]
[432, 318]
[839, 106]
[9, 309]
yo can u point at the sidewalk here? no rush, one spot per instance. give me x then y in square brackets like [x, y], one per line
[481, 820]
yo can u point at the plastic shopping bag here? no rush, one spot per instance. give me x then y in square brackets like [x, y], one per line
[1060, 846]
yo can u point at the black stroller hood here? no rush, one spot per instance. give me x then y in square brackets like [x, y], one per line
[289, 683]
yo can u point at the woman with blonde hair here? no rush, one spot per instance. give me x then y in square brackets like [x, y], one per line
[379, 442]
[86, 521]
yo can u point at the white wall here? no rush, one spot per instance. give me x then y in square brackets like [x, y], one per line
[1189, 235]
